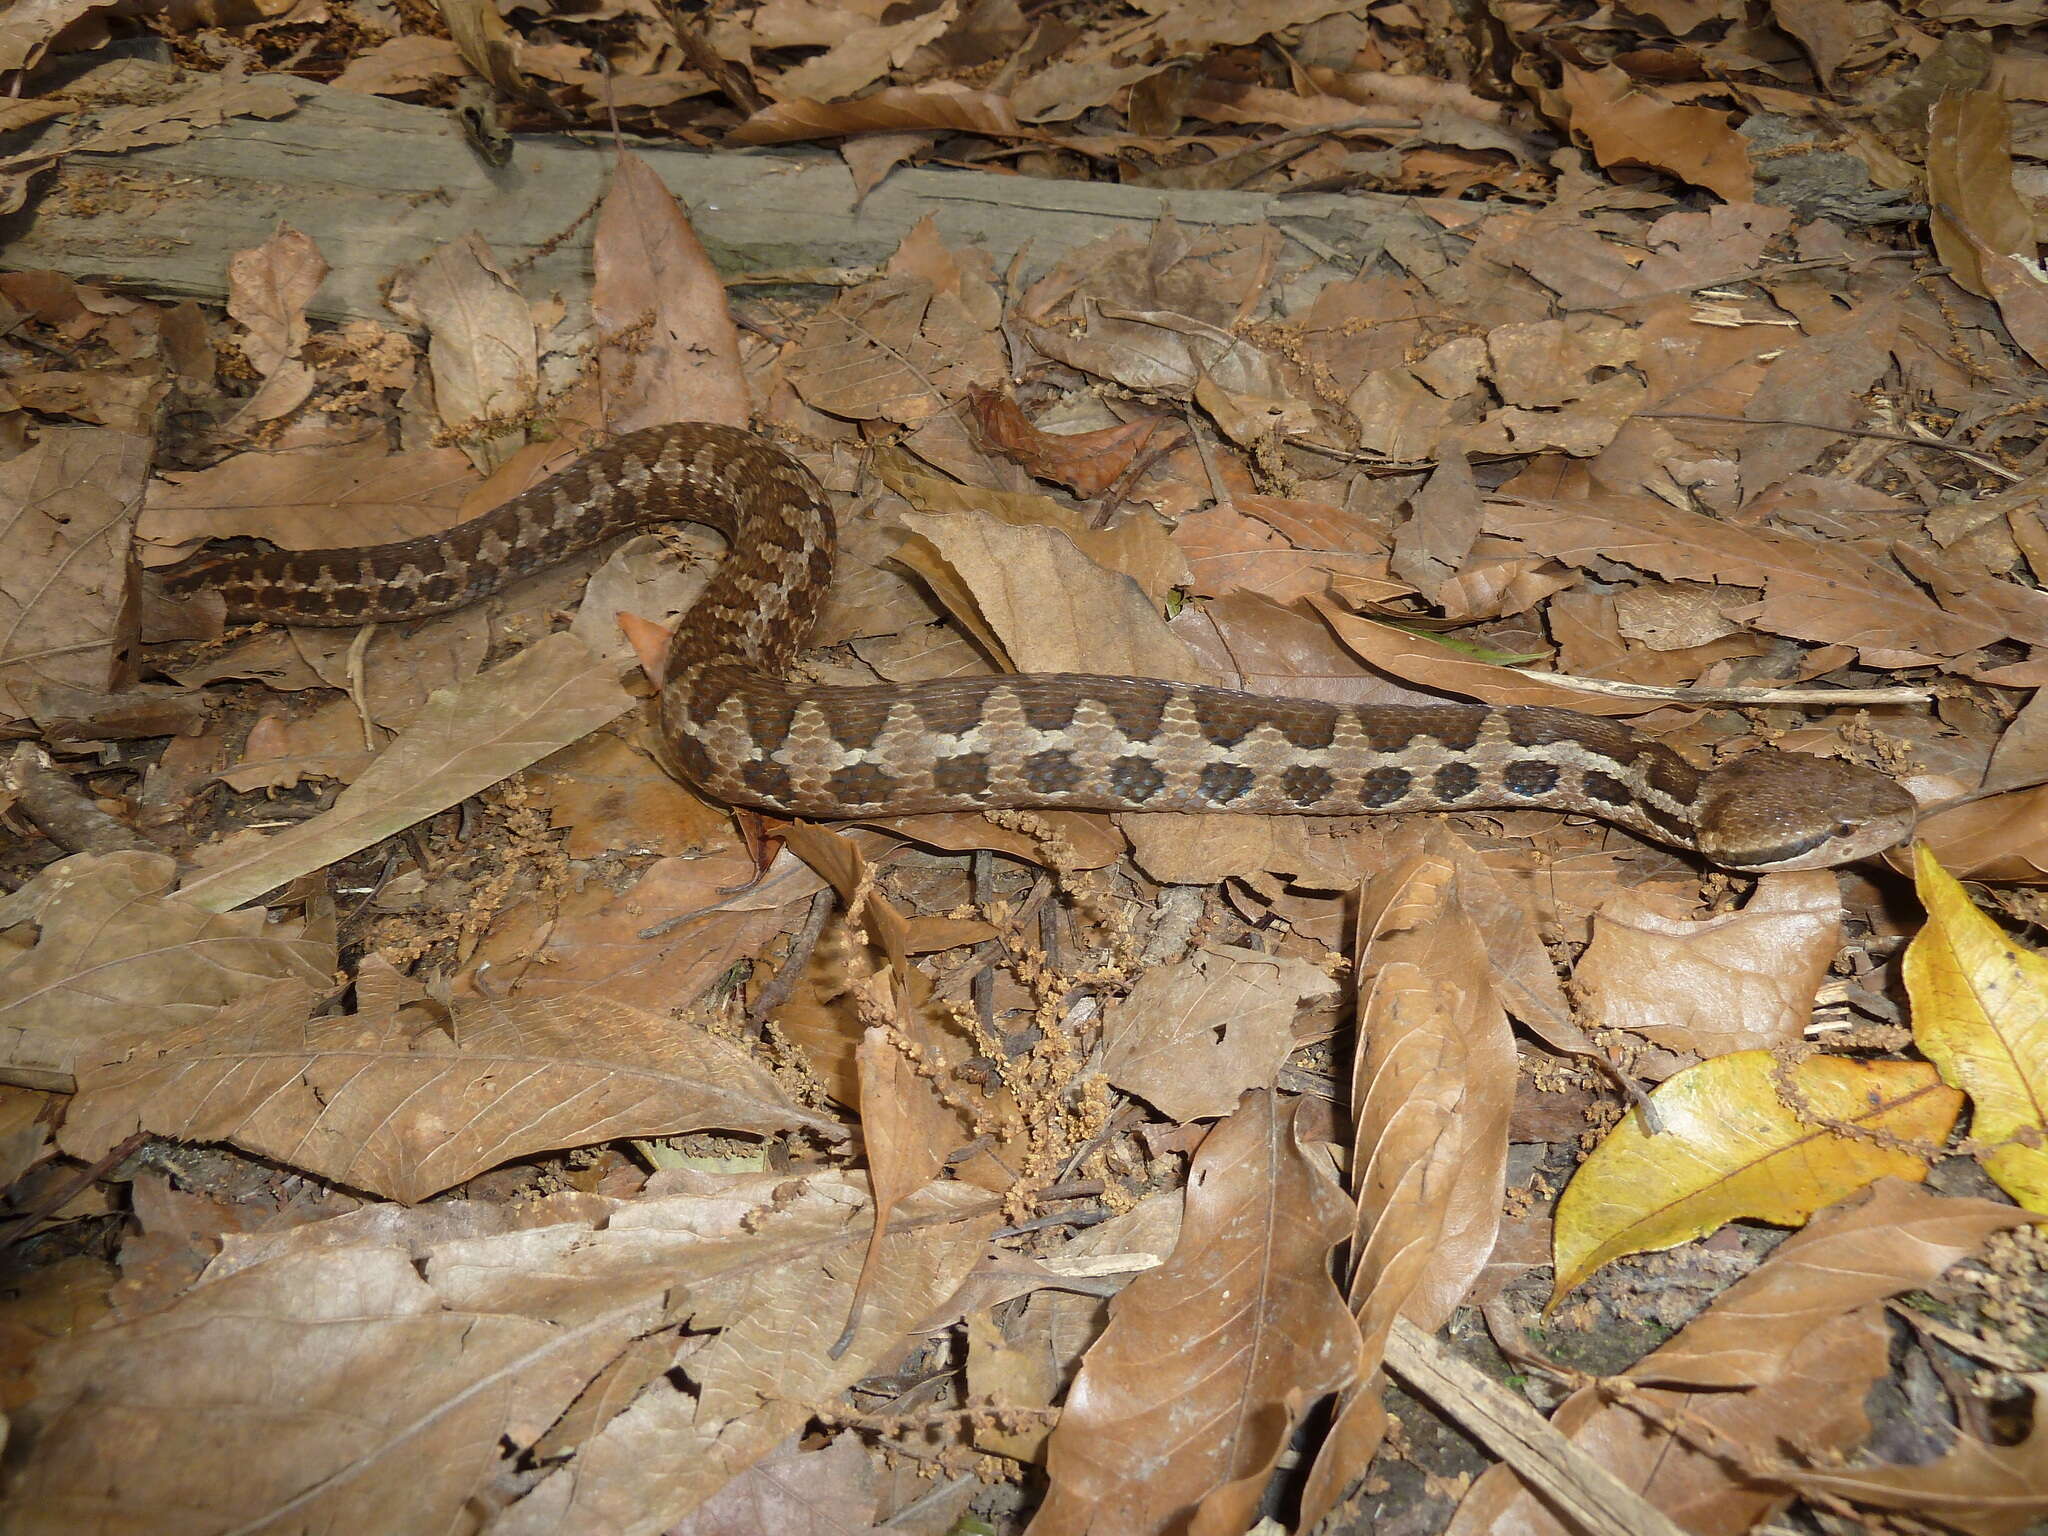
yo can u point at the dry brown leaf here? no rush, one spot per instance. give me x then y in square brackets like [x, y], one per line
[406, 1106]
[278, 753]
[1013, 1378]
[67, 506]
[269, 287]
[309, 498]
[1052, 608]
[1138, 547]
[780, 1296]
[862, 53]
[1432, 1087]
[906, 1133]
[1191, 1037]
[1892, 1237]
[656, 945]
[101, 947]
[611, 795]
[941, 106]
[398, 66]
[481, 343]
[1445, 517]
[1088, 463]
[1984, 1489]
[894, 350]
[670, 351]
[869, 160]
[1802, 1329]
[1824, 592]
[1710, 986]
[1969, 182]
[1092, 72]
[1628, 125]
[1820, 378]
[2003, 838]
[378, 1401]
[1281, 549]
[402, 1365]
[467, 738]
[794, 1492]
[1185, 1403]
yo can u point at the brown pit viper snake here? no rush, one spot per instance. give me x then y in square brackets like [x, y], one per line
[736, 727]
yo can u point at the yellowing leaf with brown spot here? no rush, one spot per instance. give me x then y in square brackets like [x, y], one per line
[1736, 1148]
[1980, 1014]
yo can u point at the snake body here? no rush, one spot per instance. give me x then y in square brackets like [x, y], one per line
[735, 726]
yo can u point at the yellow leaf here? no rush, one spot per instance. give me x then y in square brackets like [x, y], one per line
[1735, 1148]
[1980, 1014]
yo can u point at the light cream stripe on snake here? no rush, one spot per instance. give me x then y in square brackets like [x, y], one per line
[736, 728]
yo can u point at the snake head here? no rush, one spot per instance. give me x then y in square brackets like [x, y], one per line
[1771, 810]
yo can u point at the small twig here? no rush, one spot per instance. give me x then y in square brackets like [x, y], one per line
[1569, 1478]
[56, 1198]
[1989, 466]
[1746, 697]
[779, 986]
[64, 812]
[358, 688]
[1758, 275]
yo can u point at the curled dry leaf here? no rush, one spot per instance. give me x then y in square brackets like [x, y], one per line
[1980, 1014]
[114, 952]
[942, 105]
[1629, 125]
[1733, 1146]
[1829, 593]
[1138, 547]
[1969, 182]
[894, 350]
[1087, 463]
[307, 498]
[1285, 550]
[1984, 1489]
[379, 1402]
[1893, 1237]
[2002, 838]
[779, 1290]
[269, 288]
[1185, 1403]
[403, 1105]
[1432, 1086]
[482, 346]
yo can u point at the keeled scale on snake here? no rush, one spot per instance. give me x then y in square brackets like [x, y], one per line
[735, 727]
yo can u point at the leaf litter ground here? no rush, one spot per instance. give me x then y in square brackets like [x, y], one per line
[431, 1116]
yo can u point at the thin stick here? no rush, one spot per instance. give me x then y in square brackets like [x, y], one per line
[1983, 463]
[1570, 1479]
[1746, 697]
